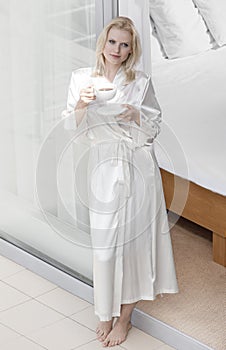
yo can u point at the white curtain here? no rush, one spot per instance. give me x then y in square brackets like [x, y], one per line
[41, 42]
[138, 11]
[39, 50]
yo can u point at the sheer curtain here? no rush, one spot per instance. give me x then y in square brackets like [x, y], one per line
[40, 49]
[41, 43]
[138, 11]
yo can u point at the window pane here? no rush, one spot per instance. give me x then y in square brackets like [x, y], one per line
[42, 41]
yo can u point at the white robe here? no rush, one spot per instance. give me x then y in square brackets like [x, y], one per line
[132, 251]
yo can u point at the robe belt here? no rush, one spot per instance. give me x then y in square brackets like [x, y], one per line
[124, 153]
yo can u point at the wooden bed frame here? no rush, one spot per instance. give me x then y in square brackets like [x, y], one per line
[200, 205]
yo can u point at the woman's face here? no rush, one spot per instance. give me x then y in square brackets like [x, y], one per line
[118, 46]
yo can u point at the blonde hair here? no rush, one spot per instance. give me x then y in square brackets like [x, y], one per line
[122, 23]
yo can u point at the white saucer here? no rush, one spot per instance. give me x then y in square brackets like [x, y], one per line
[112, 109]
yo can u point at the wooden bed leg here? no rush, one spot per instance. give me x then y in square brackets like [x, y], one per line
[219, 249]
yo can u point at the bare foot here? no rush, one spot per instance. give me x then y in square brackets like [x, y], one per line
[118, 334]
[103, 329]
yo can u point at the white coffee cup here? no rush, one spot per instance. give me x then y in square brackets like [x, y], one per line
[105, 91]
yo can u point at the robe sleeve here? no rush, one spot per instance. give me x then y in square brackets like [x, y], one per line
[69, 114]
[150, 117]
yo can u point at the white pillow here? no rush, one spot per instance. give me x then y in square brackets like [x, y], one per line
[180, 27]
[214, 13]
[157, 52]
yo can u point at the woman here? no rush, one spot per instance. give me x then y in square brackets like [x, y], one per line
[132, 252]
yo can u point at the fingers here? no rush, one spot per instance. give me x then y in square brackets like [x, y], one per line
[128, 106]
[131, 114]
[87, 94]
[88, 90]
[127, 116]
[127, 119]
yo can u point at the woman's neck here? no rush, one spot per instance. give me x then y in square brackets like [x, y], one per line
[110, 72]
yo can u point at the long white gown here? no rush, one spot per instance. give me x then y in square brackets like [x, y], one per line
[132, 251]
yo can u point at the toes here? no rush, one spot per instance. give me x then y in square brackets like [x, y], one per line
[103, 337]
[98, 330]
[109, 343]
[117, 342]
[112, 343]
[105, 343]
[100, 333]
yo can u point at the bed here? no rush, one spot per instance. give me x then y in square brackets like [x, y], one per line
[191, 89]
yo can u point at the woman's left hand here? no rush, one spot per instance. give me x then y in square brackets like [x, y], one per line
[131, 114]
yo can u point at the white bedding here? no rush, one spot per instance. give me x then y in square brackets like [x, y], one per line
[192, 94]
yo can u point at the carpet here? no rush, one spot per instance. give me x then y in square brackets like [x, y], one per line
[199, 309]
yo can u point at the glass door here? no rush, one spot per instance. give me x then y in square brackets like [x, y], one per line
[43, 42]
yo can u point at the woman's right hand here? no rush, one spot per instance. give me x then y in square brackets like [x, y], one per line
[86, 96]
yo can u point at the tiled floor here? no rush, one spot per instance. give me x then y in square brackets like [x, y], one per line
[36, 314]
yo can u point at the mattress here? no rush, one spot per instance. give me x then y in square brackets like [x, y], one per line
[192, 94]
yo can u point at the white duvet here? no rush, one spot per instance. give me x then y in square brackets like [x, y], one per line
[192, 94]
